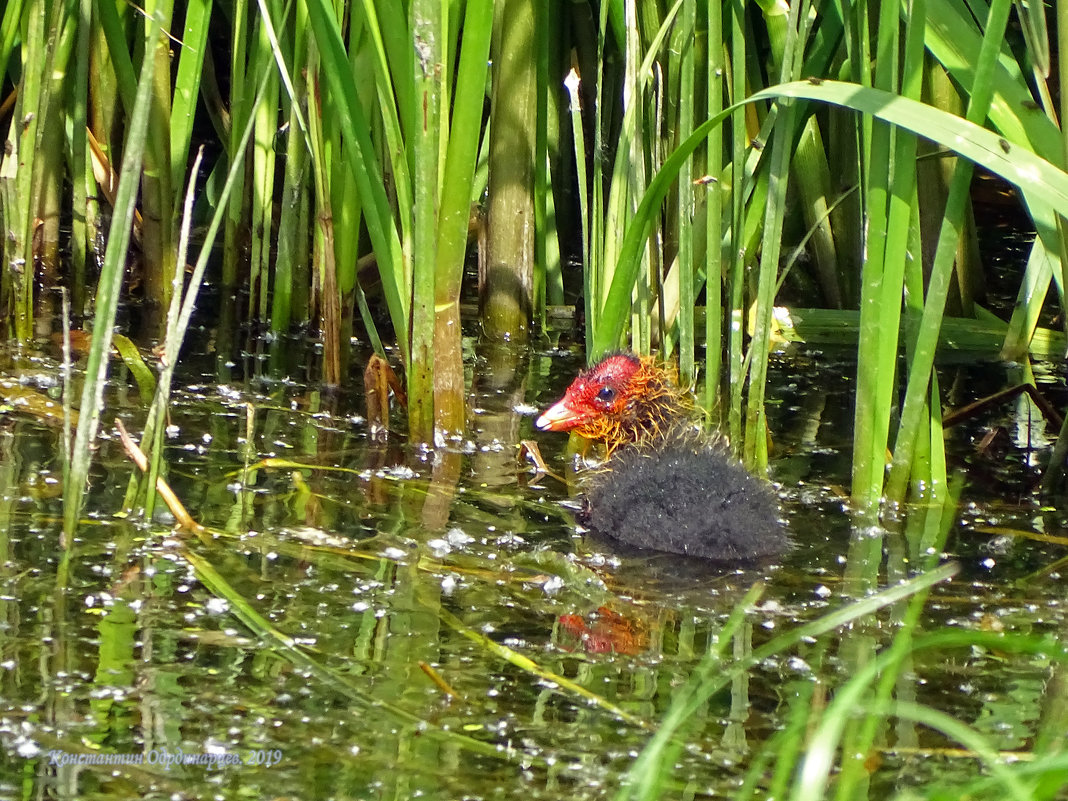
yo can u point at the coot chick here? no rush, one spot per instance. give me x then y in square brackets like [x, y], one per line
[620, 400]
[664, 486]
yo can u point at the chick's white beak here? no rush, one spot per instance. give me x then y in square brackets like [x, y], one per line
[558, 417]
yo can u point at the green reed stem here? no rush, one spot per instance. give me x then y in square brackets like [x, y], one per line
[17, 177]
[589, 271]
[157, 193]
[107, 298]
[363, 165]
[171, 344]
[81, 170]
[686, 210]
[463, 133]
[736, 265]
[240, 111]
[715, 254]
[9, 31]
[291, 267]
[942, 268]
[427, 27]
[191, 55]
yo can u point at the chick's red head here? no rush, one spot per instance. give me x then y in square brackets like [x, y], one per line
[595, 397]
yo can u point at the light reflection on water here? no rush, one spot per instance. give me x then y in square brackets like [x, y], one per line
[388, 580]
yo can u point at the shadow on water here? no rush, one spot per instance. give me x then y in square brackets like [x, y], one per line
[372, 620]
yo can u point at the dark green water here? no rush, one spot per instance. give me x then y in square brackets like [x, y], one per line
[382, 568]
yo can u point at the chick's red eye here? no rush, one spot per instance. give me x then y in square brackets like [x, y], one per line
[606, 395]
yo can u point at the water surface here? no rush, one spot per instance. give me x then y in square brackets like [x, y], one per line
[367, 619]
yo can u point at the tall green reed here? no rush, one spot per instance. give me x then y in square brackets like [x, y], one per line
[507, 266]
[779, 184]
[23, 167]
[107, 299]
[416, 243]
[380, 118]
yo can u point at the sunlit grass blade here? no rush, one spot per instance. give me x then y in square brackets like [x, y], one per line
[131, 357]
[953, 38]
[755, 441]
[648, 773]
[529, 666]
[888, 186]
[112, 28]
[337, 681]
[1027, 310]
[1036, 176]
[812, 780]
[292, 264]
[705, 682]
[859, 734]
[983, 337]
